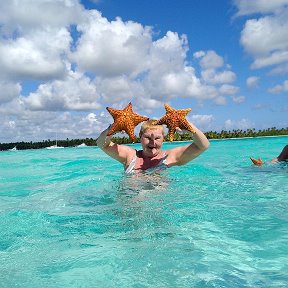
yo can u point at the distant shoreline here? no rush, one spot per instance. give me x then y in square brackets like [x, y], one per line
[124, 140]
[241, 138]
[223, 139]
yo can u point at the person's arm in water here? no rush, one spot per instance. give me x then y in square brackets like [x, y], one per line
[120, 153]
[184, 154]
[283, 156]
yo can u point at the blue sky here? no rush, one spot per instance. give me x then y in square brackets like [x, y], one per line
[63, 62]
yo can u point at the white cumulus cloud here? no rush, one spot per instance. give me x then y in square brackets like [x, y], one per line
[59, 69]
[243, 124]
[279, 88]
[247, 7]
[265, 38]
[75, 92]
[252, 82]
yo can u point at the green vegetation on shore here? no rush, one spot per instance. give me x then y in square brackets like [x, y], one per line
[125, 140]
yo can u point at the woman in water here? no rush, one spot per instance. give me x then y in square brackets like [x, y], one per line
[152, 155]
[283, 156]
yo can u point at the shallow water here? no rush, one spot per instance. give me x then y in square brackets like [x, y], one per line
[71, 218]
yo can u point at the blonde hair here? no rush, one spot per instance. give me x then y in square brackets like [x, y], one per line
[150, 124]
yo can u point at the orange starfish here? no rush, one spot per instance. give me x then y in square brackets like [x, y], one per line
[257, 162]
[173, 119]
[125, 120]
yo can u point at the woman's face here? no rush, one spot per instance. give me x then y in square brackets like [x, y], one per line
[151, 141]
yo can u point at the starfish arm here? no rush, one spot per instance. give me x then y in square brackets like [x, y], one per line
[257, 162]
[138, 119]
[160, 121]
[171, 133]
[184, 112]
[129, 129]
[128, 108]
[185, 125]
[114, 129]
[110, 110]
[168, 108]
[114, 113]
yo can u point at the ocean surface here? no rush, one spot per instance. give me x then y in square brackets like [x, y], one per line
[72, 218]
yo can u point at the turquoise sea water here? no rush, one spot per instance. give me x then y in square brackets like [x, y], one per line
[71, 218]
